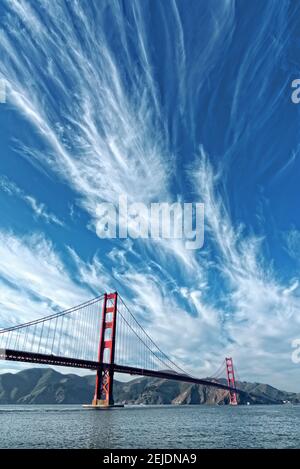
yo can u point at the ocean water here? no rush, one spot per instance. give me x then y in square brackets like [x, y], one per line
[150, 427]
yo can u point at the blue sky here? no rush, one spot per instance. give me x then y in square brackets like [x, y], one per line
[162, 101]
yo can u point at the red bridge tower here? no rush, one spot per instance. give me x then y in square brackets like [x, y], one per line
[106, 354]
[231, 381]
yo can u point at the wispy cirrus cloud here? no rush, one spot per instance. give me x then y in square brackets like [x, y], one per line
[39, 209]
[292, 243]
[261, 310]
[122, 143]
[109, 137]
[31, 271]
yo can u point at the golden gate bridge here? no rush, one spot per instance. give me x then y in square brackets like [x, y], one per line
[102, 335]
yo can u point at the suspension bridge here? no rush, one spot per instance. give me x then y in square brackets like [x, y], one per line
[102, 335]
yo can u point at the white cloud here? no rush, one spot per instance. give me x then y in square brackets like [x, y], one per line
[262, 310]
[92, 274]
[39, 209]
[32, 273]
[118, 151]
[292, 243]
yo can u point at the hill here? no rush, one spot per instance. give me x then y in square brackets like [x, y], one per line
[47, 386]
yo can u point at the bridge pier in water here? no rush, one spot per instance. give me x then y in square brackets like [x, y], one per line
[103, 397]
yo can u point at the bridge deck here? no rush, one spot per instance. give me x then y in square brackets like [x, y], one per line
[44, 359]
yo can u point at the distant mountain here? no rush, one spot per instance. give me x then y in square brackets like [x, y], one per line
[46, 386]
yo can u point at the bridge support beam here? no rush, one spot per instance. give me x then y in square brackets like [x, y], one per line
[231, 381]
[106, 353]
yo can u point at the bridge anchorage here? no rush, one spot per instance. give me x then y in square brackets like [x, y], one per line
[109, 342]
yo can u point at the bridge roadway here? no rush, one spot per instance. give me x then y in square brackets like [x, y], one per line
[44, 359]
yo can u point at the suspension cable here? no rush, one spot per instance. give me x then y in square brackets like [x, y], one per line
[52, 316]
[153, 343]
